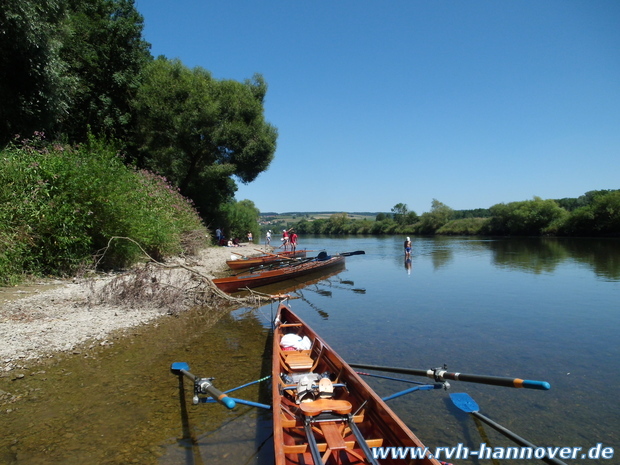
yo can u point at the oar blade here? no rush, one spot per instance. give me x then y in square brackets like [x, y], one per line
[464, 402]
[176, 367]
[348, 254]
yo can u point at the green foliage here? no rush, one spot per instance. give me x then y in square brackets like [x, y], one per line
[431, 221]
[199, 132]
[103, 49]
[530, 217]
[464, 227]
[600, 217]
[571, 204]
[475, 213]
[69, 67]
[34, 86]
[59, 206]
[241, 218]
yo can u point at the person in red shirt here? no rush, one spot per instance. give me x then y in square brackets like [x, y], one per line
[285, 239]
[293, 240]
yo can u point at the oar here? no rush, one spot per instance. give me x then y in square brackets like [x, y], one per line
[465, 403]
[283, 257]
[348, 254]
[240, 254]
[440, 374]
[202, 385]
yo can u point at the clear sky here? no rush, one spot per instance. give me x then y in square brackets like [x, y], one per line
[379, 102]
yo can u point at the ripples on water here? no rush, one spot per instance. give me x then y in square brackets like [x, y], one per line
[534, 308]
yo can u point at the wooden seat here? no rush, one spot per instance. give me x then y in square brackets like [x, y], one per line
[333, 435]
[297, 360]
[312, 409]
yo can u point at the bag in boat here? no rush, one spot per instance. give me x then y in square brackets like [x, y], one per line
[295, 342]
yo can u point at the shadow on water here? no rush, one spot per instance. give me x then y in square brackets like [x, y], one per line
[119, 403]
[244, 434]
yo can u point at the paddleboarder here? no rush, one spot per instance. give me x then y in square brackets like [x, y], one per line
[408, 248]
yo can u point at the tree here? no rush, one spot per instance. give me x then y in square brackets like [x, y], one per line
[200, 132]
[431, 221]
[600, 217]
[34, 86]
[530, 217]
[241, 218]
[103, 48]
[399, 212]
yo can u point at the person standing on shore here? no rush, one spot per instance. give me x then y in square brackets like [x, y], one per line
[408, 248]
[293, 239]
[268, 237]
[285, 239]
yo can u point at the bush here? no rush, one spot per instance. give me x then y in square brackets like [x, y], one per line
[464, 227]
[600, 217]
[530, 217]
[59, 206]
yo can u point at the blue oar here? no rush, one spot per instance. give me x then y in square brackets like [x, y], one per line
[202, 385]
[465, 403]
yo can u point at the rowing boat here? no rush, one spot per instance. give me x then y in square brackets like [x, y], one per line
[250, 262]
[323, 412]
[278, 273]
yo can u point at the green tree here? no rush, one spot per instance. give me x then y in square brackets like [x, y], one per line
[200, 132]
[431, 221]
[104, 50]
[337, 223]
[241, 218]
[34, 86]
[399, 212]
[530, 217]
[600, 217]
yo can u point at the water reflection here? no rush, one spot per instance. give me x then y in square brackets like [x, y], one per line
[529, 254]
[408, 265]
[537, 255]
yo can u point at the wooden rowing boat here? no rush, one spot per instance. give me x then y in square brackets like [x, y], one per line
[276, 274]
[250, 262]
[323, 412]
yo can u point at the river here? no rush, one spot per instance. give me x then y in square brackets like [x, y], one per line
[533, 308]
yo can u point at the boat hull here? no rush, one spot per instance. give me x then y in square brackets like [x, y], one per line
[243, 263]
[265, 277]
[335, 441]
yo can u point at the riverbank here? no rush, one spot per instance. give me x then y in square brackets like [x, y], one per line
[42, 319]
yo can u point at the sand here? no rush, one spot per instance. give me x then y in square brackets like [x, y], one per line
[42, 319]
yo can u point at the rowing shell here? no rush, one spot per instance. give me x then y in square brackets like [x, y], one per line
[323, 412]
[250, 262]
[270, 276]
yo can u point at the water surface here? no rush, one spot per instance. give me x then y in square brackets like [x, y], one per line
[544, 309]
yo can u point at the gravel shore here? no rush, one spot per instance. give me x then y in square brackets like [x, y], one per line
[60, 315]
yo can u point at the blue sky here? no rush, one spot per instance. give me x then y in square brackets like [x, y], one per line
[376, 102]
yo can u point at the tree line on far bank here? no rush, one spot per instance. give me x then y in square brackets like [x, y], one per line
[596, 213]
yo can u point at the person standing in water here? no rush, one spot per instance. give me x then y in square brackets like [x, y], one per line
[408, 248]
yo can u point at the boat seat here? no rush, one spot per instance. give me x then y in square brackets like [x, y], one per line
[297, 360]
[332, 433]
[312, 409]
